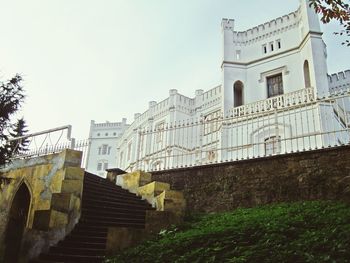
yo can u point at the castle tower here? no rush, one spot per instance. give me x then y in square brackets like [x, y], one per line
[314, 48]
[280, 56]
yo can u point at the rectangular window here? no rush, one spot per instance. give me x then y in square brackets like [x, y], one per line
[129, 150]
[278, 44]
[274, 85]
[99, 166]
[104, 149]
[238, 54]
[99, 150]
[159, 132]
[142, 135]
[105, 166]
[271, 46]
[121, 159]
[264, 49]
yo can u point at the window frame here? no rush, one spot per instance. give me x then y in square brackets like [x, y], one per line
[211, 122]
[278, 42]
[264, 49]
[238, 54]
[104, 149]
[271, 90]
[160, 128]
[274, 144]
[129, 150]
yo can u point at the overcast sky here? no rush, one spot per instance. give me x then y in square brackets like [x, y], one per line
[106, 59]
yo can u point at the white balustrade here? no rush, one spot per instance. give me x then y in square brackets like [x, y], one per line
[298, 97]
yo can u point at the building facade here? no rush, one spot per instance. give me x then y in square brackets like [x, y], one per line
[102, 145]
[275, 97]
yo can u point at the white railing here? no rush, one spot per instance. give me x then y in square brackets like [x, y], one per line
[47, 142]
[289, 123]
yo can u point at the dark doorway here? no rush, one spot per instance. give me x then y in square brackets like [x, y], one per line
[16, 224]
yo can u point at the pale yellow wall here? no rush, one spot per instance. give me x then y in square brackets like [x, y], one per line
[43, 177]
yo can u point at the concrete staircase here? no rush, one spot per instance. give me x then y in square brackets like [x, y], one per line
[104, 205]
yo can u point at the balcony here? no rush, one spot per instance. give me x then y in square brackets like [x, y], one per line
[294, 98]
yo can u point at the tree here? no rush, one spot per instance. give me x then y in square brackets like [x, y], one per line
[334, 10]
[19, 130]
[11, 98]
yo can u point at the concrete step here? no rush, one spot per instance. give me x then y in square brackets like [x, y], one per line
[77, 251]
[117, 213]
[126, 199]
[75, 244]
[111, 193]
[56, 257]
[125, 223]
[46, 261]
[97, 209]
[105, 186]
[108, 192]
[82, 238]
[109, 204]
[115, 217]
[88, 233]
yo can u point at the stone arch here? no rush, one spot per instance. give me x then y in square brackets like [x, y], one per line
[280, 131]
[238, 89]
[17, 221]
[306, 70]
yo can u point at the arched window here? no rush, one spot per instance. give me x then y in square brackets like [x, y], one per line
[238, 93]
[307, 74]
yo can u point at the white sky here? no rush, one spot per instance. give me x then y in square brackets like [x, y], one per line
[106, 59]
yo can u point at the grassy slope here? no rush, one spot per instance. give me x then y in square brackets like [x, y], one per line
[296, 232]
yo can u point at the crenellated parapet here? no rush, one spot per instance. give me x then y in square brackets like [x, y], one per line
[227, 24]
[268, 29]
[209, 99]
[108, 124]
[175, 109]
[179, 102]
[339, 81]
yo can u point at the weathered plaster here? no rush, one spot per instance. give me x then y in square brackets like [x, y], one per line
[44, 177]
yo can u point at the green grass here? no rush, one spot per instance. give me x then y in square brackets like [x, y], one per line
[316, 231]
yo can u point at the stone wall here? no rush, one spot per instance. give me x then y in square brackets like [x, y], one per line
[321, 174]
[55, 185]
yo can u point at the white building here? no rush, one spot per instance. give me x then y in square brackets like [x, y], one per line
[274, 77]
[102, 145]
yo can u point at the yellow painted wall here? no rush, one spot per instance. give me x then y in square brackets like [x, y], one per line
[44, 177]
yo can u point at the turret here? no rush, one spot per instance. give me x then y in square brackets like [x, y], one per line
[309, 17]
[227, 26]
